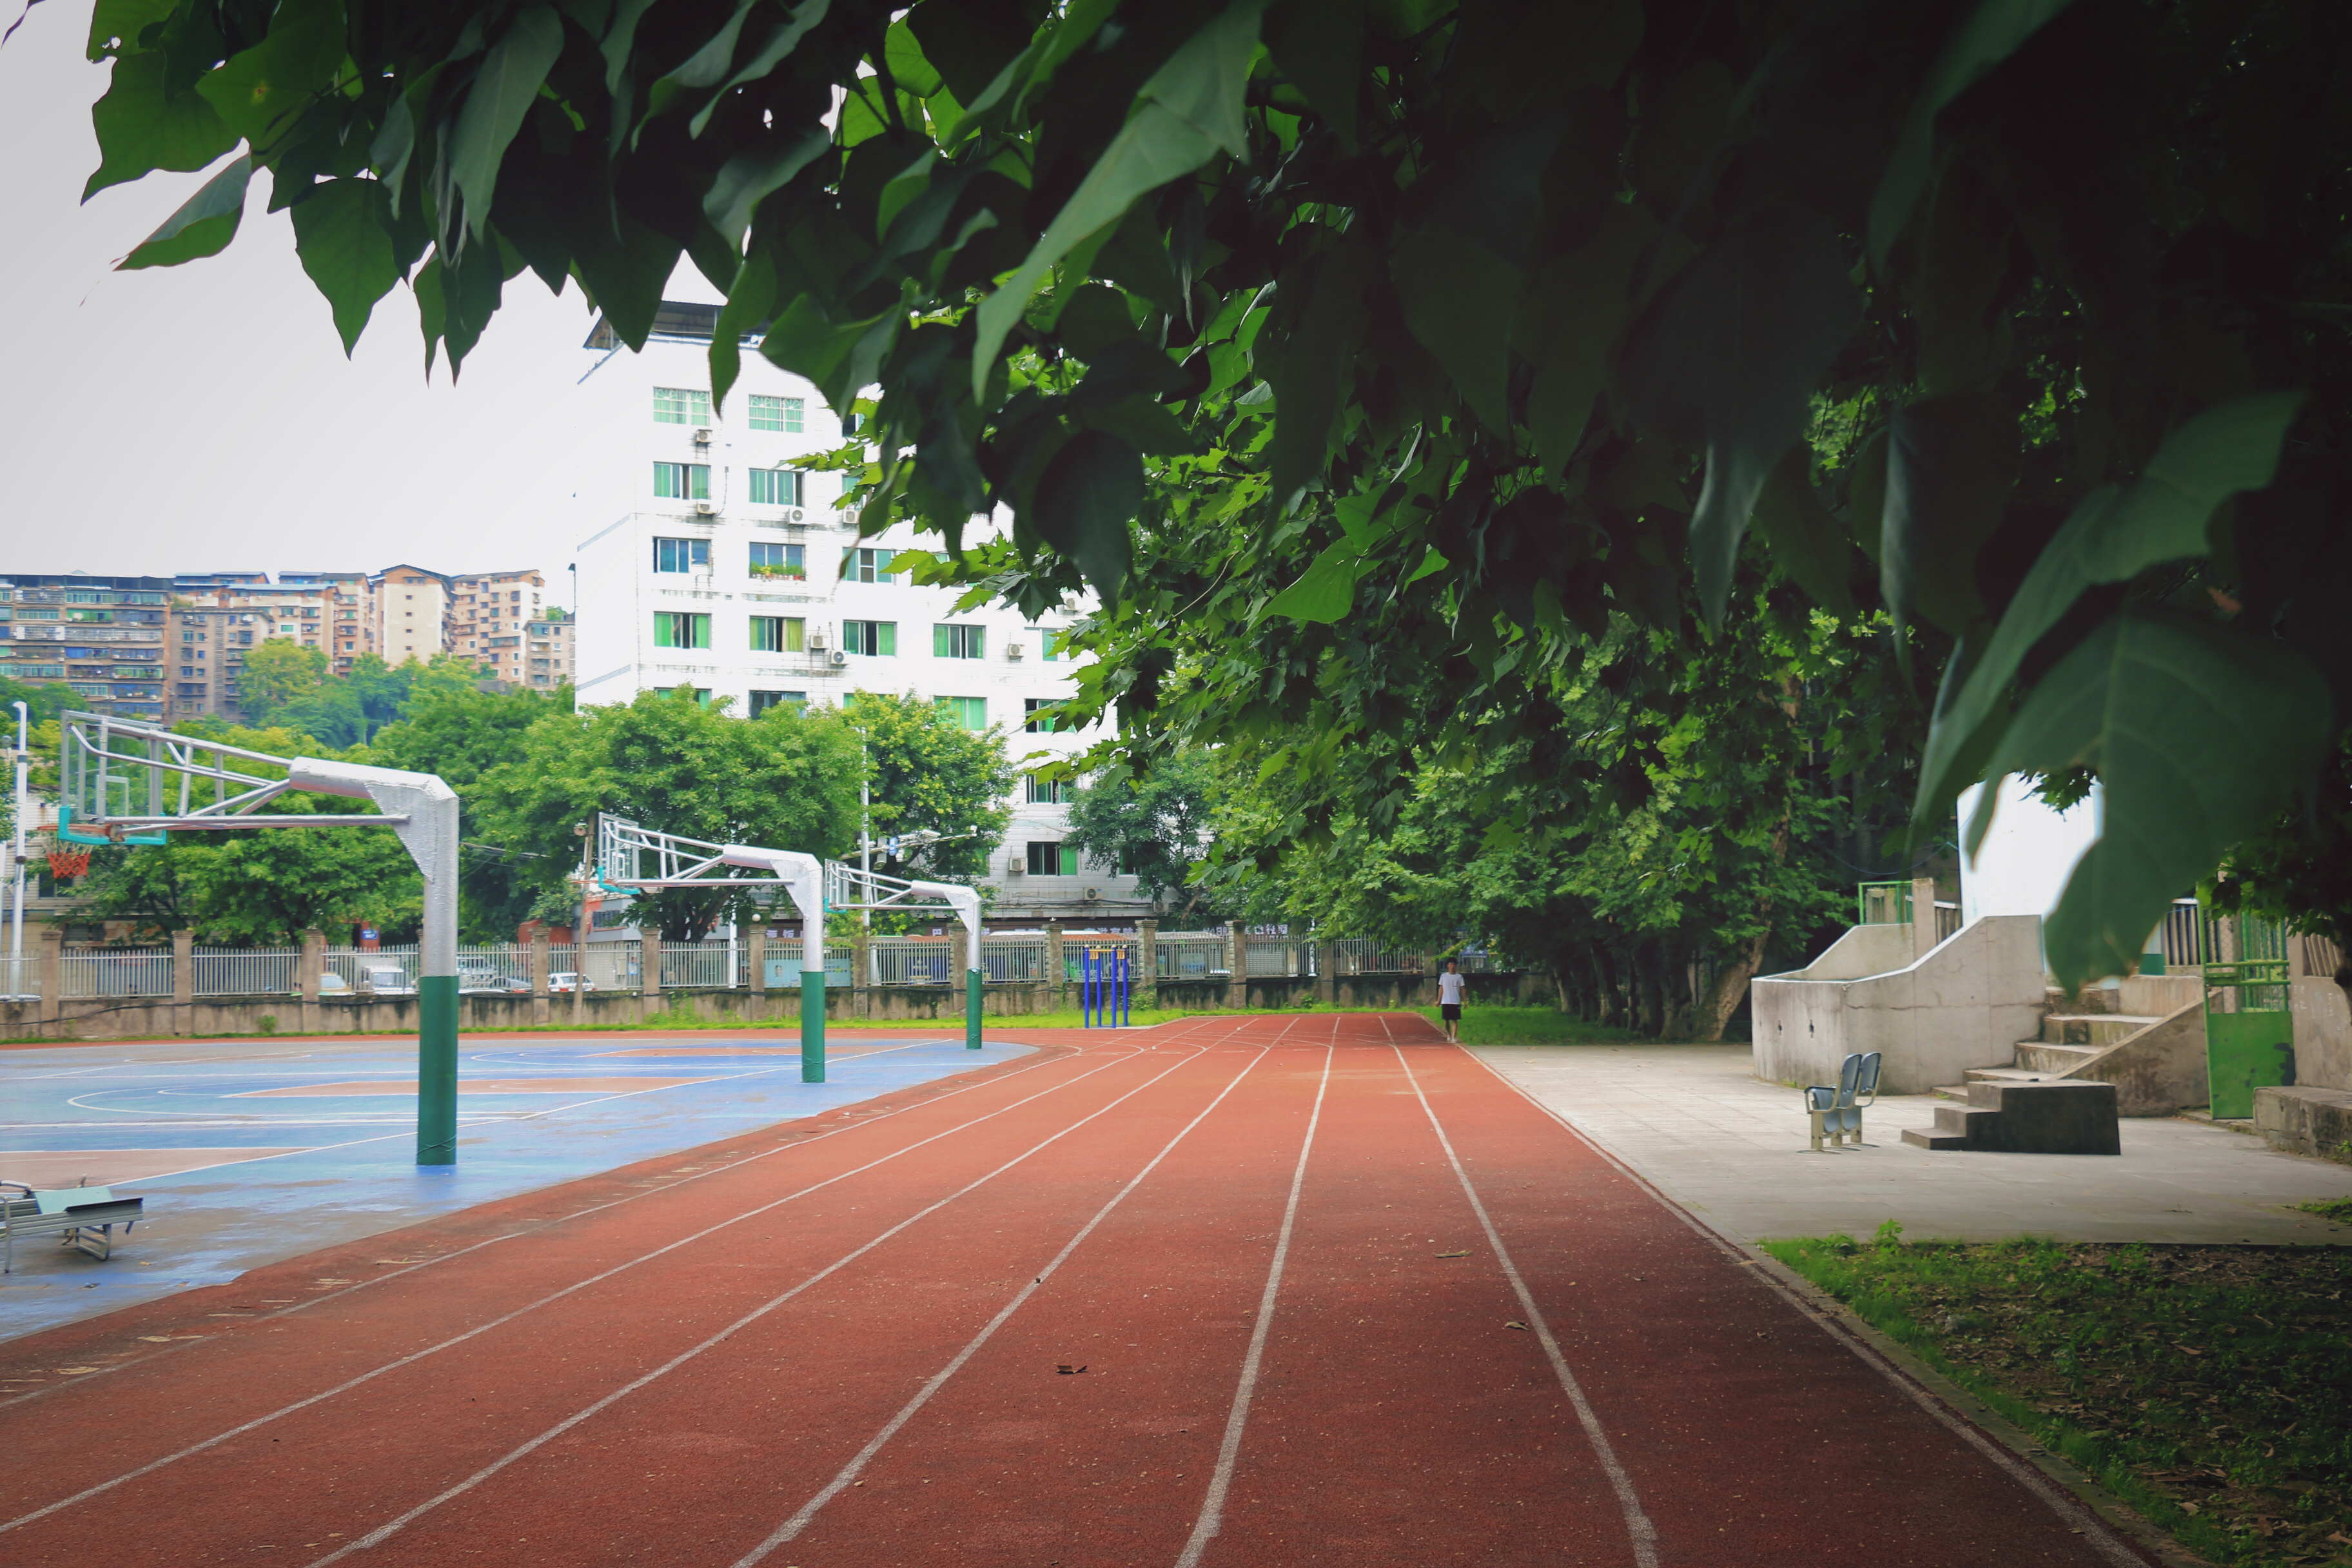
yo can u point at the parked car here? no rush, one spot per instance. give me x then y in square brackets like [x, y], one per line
[512, 985]
[480, 974]
[333, 984]
[389, 981]
[564, 982]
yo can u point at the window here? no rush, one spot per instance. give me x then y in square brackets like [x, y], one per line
[866, 565]
[786, 413]
[1049, 642]
[682, 481]
[778, 633]
[775, 487]
[966, 712]
[763, 701]
[701, 693]
[959, 642]
[681, 555]
[1037, 715]
[876, 639]
[779, 561]
[681, 405]
[1046, 792]
[1051, 858]
[849, 424]
[851, 478]
[680, 628]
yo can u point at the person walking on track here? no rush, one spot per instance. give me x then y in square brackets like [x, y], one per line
[1450, 986]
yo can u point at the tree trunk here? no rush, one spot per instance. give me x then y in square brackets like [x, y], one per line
[1714, 1012]
[1649, 973]
[1604, 985]
[1561, 1003]
[1676, 956]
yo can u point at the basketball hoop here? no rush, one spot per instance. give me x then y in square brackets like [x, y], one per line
[66, 864]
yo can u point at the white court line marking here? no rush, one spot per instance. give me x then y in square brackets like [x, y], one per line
[531, 1307]
[1644, 1534]
[1213, 1502]
[2092, 1527]
[385, 1531]
[849, 1472]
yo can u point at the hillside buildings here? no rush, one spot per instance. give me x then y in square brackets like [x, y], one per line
[727, 571]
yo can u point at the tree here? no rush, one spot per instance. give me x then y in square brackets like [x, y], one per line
[930, 774]
[1157, 828]
[786, 780]
[1497, 317]
[465, 734]
[278, 673]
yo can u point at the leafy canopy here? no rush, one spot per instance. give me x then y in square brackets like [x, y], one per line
[1510, 319]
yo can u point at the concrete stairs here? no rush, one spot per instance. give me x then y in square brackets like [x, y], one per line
[2068, 1039]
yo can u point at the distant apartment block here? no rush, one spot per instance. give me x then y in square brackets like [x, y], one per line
[488, 613]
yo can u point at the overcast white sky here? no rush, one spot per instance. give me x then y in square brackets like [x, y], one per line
[202, 418]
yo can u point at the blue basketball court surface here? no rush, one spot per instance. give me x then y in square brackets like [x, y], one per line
[251, 1151]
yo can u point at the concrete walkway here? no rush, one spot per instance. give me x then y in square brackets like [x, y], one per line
[1693, 1121]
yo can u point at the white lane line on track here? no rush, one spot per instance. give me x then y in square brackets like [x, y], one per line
[154, 1464]
[849, 1472]
[2077, 1515]
[1221, 1480]
[385, 1531]
[1643, 1535]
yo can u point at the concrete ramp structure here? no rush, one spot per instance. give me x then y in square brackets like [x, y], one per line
[1932, 1014]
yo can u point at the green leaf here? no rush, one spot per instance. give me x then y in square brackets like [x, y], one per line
[259, 92]
[625, 273]
[1189, 109]
[495, 105]
[909, 68]
[342, 232]
[1324, 592]
[139, 129]
[204, 224]
[747, 304]
[1142, 424]
[1320, 45]
[1991, 32]
[115, 26]
[1569, 324]
[1311, 381]
[2117, 533]
[747, 178]
[2199, 734]
[1460, 299]
[1951, 464]
[1810, 545]
[707, 67]
[839, 358]
[1084, 502]
[772, 53]
[1731, 355]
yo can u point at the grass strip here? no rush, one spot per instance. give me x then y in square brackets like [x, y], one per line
[2204, 1386]
[1492, 1024]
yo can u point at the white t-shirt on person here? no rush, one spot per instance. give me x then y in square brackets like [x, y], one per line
[1449, 989]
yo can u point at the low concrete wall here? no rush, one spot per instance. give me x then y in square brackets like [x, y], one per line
[2323, 1033]
[1965, 1004]
[2304, 1120]
[2159, 1070]
[159, 1017]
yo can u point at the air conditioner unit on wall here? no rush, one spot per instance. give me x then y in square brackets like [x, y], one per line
[702, 437]
[1093, 893]
[795, 515]
[839, 656]
[816, 639]
[1013, 650]
[705, 508]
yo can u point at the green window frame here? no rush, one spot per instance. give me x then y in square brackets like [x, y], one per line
[1049, 643]
[874, 640]
[775, 487]
[965, 713]
[681, 555]
[953, 641]
[779, 560]
[681, 405]
[1051, 858]
[763, 701]
[1037, 715]
[779, 634]
[789, 414]
[866, 565]
[681, 628]
[682, 481]
[1045, 792]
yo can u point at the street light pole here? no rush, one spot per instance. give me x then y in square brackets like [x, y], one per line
[17, 932]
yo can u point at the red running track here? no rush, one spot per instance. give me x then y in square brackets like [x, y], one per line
[1329, 1290]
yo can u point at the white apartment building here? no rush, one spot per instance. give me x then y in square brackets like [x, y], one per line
[413, 607]
[726, 571]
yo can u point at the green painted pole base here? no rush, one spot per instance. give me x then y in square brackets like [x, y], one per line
[972, 1009]
[437, 1070]
[812, 1025]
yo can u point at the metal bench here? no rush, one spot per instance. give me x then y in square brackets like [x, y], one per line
[1836, 1112]
[82, 1218]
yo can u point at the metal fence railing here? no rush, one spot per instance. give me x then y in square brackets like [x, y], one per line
[1275, 957]
[1357, 955]
[702, 967]
[915, 961]
[2321, 957]
[1004, 960]
[135, 973]
[246, 971]
[1189, 955]
[20, 978]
